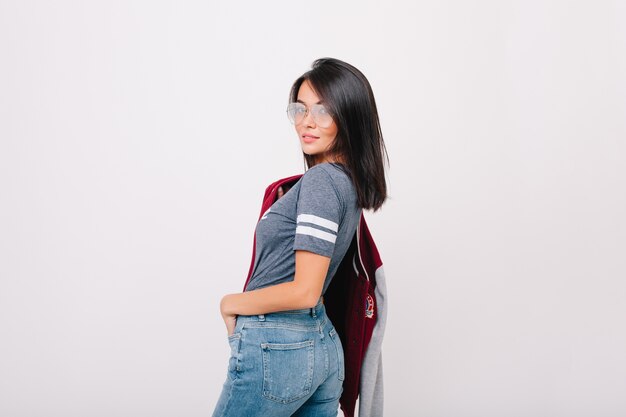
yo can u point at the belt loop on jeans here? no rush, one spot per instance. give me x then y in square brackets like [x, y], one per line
[319, 302]
[261, 317]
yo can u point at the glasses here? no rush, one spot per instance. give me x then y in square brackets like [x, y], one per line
[298, 111]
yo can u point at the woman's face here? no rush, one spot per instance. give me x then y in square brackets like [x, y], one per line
[314, 139]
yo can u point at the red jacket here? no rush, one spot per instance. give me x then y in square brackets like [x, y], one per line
[355, 302]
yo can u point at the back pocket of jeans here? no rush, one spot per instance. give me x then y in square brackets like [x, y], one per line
[287, 370]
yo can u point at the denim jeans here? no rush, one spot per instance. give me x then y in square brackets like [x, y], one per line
[288, 363]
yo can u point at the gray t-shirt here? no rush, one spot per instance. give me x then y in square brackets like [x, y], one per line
[318, 214]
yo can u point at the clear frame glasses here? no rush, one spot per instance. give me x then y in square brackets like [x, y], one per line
[296, 112]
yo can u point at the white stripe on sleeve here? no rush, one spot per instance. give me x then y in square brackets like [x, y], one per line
[306, 230]
[320, 221]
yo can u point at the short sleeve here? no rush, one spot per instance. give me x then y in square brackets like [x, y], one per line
[318, 213]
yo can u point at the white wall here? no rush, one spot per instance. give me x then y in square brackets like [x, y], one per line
[136, 139]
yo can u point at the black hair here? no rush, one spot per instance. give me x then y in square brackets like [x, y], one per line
[348, 96]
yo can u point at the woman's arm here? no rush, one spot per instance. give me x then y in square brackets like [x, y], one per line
[303, 292]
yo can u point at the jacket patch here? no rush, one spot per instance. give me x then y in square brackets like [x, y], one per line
[369, 307]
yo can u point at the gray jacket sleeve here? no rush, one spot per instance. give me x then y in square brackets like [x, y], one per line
[371, 384]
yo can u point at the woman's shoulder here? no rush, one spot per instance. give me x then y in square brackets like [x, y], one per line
[333, 174]
[332, 170]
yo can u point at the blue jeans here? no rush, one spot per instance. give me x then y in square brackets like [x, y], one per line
[288, 363]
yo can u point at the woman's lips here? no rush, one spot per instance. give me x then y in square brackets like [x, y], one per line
[309, 138]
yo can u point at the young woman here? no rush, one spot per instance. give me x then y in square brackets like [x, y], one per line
[286, 357]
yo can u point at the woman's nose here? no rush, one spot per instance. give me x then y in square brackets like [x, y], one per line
[308, 119]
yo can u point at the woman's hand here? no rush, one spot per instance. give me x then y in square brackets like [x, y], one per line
[229, 319]
[283, 190]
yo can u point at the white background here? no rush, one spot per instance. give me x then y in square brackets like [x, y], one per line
[137, 138]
